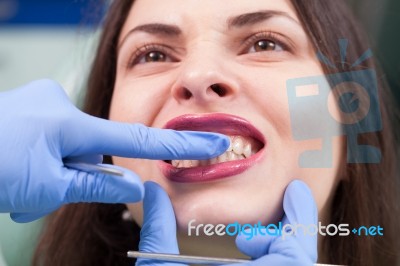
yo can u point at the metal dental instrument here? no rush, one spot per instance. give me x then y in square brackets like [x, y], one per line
[192, 259]
[184, 258]
[94, 168]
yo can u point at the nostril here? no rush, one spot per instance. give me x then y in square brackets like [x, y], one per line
[219, 90]
[186, 94]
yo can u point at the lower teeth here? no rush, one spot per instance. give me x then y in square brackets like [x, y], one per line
[225, 157]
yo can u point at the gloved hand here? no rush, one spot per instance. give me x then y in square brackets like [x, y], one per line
[158, 233]
[293, 249]
[40, 128]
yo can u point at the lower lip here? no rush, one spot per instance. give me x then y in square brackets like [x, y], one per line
[209, 172]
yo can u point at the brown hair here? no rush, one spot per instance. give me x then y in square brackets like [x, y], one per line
[95, 234]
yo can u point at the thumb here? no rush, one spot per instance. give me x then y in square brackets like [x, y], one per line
[158, 232]
[102, 187]
[300, 209]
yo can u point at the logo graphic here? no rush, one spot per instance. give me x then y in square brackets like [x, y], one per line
[342, 103]
[280, 230]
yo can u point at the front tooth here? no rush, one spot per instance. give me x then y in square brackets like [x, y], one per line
[238, 145]
[214, 160]
[230, 148]
[187, 163]
[182, 164]
[222, 158]
[175, 163]
[195, 163]
[231, 155]
[247, 150]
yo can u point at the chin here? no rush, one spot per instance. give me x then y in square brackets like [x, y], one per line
[220, 208]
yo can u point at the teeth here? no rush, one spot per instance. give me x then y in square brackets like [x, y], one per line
[186, 163]
[222, 158]
[237, 145]
[214, 160]
[240, 148]
[247, 150]
[176, 163]
[231, 155]
[230, 148]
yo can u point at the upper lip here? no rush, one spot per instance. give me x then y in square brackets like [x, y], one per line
[216, 122]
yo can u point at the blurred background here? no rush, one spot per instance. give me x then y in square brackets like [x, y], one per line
[56, 39]
[47, 39]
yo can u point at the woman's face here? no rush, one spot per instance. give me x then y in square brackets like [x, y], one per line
[220, 66]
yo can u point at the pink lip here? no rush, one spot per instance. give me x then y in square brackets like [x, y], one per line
[220, 123]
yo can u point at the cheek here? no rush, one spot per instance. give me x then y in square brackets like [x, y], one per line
[322, 181]
[136, 101]
[128, 107]
[290, 118]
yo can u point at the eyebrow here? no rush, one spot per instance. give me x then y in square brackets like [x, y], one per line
[250, 19]
[173, 31]
[163, 30]
[158, 29]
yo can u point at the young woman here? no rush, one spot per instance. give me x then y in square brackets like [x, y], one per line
[223, 66]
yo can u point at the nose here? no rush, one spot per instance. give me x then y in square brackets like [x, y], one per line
[204, 79]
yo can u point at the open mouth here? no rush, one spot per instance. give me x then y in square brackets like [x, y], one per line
[241, 148]
[247, 146]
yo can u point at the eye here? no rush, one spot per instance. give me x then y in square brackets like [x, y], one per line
[150, 53]
[265, 42]
[265, 45]
[154, 56]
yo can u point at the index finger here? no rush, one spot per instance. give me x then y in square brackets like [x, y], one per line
[91, 135]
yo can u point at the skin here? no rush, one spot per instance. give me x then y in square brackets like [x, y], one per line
[208, 52]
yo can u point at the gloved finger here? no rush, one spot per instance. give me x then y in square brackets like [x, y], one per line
[276, 259]
[158, 232]
[87, 158]
[301, 210]
[257, 246]
[101, 187]
[99, 136]
[29, 217]
[280, 252]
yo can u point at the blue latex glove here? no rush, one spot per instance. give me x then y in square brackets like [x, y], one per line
[40, 128]
[158, 233]
[299, 208]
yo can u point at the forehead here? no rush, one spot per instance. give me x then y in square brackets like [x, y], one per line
[198, 12]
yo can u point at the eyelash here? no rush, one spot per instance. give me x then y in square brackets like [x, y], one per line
[248, 43]
[266, 35]
[144, 49]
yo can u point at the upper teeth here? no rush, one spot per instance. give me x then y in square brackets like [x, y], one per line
[239, 148]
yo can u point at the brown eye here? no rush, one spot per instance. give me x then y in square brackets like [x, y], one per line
[264, 45]
[155, 56]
